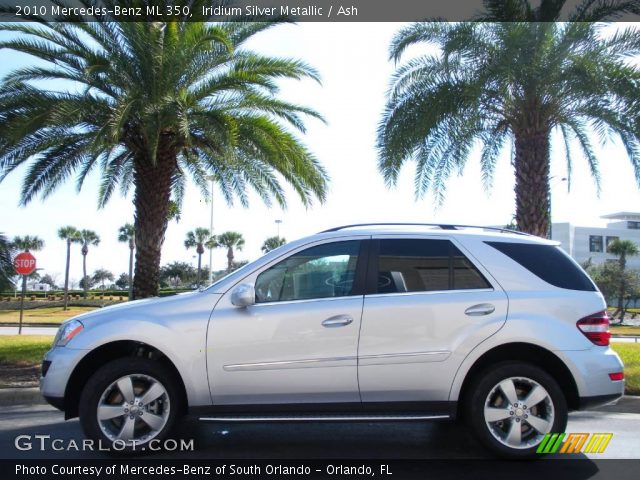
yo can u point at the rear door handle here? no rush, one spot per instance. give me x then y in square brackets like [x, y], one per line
[337, 321]
[480, 309]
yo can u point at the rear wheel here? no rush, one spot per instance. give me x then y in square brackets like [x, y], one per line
[129, 402]
[513, 405]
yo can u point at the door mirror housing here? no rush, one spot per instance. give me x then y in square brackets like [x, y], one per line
[243, 295]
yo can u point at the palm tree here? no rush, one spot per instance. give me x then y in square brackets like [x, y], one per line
[28, 243]
[199, 238]
[100, 275]
[87, 237]
[516, 82]
[230, 240]
[272, 243]
[154, 103]
[622, 249]
[127, 234]
[70, 235]
[6, 263]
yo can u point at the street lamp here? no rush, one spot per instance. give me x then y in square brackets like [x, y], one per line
[278, 222]
[212, 179]
[551, 185]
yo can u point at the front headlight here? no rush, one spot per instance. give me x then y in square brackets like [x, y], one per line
[67, 331]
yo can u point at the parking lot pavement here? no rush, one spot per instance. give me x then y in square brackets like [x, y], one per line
[406, 440]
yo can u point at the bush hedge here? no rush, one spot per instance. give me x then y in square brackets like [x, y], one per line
[79, 294]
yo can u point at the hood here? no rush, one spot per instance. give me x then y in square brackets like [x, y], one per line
[131, 307]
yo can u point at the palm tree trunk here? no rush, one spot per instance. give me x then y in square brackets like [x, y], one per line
[66, 276]
[131, 248]
[84, 273]
[229, 258]
[621, 308]
[532, 180]
[199, 268]
[151, 201]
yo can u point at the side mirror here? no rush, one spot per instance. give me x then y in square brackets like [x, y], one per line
[243, 295]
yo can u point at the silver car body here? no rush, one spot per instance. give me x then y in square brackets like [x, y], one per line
[398, 347]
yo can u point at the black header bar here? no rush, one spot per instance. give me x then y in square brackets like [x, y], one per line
[309, 10]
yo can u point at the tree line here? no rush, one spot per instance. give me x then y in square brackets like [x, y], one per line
[174, 274]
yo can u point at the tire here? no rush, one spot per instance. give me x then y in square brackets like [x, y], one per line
[126, 427]
[498, 412]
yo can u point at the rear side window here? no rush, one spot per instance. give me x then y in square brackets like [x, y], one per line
[548, 263]
[415, 265]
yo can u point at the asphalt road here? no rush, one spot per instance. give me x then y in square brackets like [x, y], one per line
[309, 440]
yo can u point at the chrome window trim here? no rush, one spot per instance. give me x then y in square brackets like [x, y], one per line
[305, 300]
[430, 292]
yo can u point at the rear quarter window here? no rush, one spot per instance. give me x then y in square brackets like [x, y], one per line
[547, 262]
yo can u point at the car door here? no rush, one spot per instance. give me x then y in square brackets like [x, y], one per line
[298, 342]
[427, 305]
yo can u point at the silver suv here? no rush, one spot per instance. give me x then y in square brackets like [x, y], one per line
[362, 322]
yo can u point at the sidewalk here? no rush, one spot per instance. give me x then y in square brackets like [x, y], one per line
[29, 330]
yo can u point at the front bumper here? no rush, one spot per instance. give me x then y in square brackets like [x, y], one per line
[58, 365]
[57, 402]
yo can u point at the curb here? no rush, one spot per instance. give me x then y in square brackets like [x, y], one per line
[21, 396]
[627, 404]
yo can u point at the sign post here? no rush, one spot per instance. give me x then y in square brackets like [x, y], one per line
[25, 265]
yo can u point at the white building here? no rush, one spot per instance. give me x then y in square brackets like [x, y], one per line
[584, 243]
[38, 287]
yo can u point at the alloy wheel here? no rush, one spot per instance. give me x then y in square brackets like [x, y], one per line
[518, 412]
[133, 409]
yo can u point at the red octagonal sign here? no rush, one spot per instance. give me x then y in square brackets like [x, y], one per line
[24, 263]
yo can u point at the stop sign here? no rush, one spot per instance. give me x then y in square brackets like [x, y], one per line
[24, 263]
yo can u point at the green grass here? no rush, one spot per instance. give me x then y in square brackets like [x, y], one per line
[625, 330]
[52, 315]
[630, 354]
[23, 349]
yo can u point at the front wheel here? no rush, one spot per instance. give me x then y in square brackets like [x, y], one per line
[128, 403]
[513, 405]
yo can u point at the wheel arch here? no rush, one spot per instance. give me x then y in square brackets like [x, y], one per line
[525, 352]
[106, 353]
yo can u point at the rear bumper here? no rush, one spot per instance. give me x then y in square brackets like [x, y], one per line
[590, 370]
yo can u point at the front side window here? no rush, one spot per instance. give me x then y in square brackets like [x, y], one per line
[595, 243]
[414, 265]
[323, 271]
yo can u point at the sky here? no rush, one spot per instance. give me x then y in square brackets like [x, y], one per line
[352, 59]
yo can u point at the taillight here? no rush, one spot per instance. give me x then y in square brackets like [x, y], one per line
[616, 376]
[596, 328]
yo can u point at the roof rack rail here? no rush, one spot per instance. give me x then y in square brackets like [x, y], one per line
[443, 226]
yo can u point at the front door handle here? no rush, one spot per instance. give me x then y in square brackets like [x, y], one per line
[480, 309]
[337, 321]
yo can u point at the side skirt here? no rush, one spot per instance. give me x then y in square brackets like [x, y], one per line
[328, 412]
